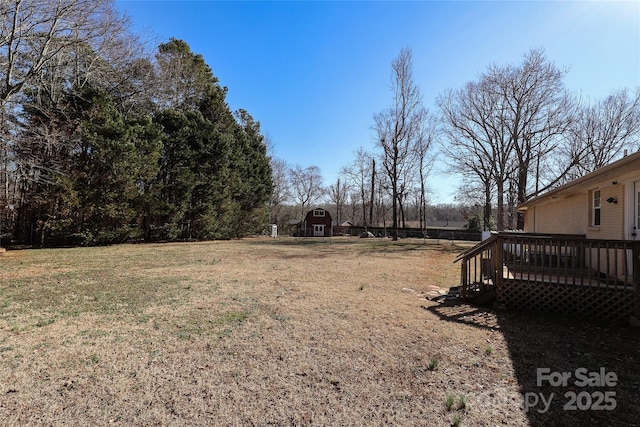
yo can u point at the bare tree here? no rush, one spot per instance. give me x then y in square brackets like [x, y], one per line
[476, 140]
[373, 189]
[353, 206]
[599, 134]
[281, 191]
[607, 127]
[382, 200]
[397, 128]
[338, 194]
[34, 33]
[424, 157]
[358, 175]
[537, 111]
[502, 128]
[306, 186]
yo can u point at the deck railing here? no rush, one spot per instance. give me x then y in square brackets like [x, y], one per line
[569, 265]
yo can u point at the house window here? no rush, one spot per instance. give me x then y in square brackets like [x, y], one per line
[596, 208]
[318, 212]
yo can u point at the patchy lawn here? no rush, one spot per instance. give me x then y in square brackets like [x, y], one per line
[285, 332]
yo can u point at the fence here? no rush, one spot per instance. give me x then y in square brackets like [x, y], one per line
[431, 232]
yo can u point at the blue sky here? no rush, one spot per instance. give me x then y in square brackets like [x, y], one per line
[315, 73]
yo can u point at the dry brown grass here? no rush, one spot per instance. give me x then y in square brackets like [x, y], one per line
[255, 332]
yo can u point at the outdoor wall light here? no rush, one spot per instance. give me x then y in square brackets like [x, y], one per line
[612, 200]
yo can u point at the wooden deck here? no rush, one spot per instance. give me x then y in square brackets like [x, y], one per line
[560, 273]
[591, 282]
[583, 277]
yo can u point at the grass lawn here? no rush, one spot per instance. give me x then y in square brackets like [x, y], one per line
[284, 332]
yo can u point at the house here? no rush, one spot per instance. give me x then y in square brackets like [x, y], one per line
[579, 253]
[317, 223]
[601, 205]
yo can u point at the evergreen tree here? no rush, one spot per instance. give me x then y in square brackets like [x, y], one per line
[97, 170]
[215, 172]
[251, 164]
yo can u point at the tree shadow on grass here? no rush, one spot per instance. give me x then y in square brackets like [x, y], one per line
[362, 246]
[565, 345]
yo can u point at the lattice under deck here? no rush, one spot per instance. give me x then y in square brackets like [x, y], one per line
[581, 301]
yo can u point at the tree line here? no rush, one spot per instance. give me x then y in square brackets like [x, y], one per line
[102, 141]
[511, 134]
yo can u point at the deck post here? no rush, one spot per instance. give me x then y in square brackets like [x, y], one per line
[498, 255]
[463, 279]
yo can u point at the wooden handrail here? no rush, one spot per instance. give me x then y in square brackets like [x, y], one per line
[473, 251]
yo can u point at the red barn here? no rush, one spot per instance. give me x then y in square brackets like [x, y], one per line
[317, 223]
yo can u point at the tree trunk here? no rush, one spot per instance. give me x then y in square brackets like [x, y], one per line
[487, 208]
[401, 207]
[373, 187]
[394, 185]
[500, 212]
[522, 193]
